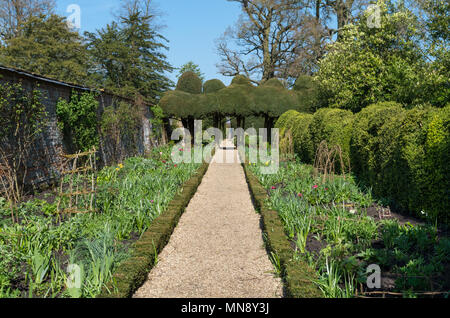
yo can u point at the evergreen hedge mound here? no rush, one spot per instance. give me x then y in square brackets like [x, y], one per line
[189, 82]
[285, 118]
[365, 140]
[414, 154]
[403, 155]
[335, 126]
[213, 86]
[298, 123]
[303, 145]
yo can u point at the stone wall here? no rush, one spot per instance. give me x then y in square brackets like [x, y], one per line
[45, 161]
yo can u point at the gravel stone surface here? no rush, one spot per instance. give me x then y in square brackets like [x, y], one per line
[217, 250]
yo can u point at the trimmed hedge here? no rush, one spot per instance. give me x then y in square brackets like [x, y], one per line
[213, 86]
[285, 118]
[190, 82]
[414, 157]
[132, 273]
[403, 155]
[297, 275]
[303, 145]
[335, 126]
[365, 140]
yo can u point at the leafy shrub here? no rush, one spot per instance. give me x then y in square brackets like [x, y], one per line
[436, 177]
[401, 154]
[365, 139]
[189, 82]
[307, 93]
[240, 80]
[298, 123]
[77, 118]
[334, 126]
[285, 118]
[402, 175]
[302, 139]
[212, 86]
[275, 82]
[118, 127]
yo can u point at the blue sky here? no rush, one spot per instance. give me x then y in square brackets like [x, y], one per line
[191, 26]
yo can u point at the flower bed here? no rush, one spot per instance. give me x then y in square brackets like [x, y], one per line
[36, 251]
[340, 230]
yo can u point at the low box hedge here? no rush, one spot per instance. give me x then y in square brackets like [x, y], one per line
[132, 273]
[297, 275]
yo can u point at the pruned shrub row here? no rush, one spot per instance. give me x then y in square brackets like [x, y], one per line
[403, 155]
[132, 273]
[297, 276]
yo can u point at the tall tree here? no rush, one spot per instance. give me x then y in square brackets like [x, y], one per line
[191, 67]
[14, 13]
[46, 46]
[321, 23]
[129, 56]
[370, 65]
[265, 37]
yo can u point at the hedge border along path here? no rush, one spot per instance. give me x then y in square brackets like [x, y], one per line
[217, 249]
[297, 275]
[132, 273]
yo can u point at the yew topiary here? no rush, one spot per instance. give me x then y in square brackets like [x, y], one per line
[189, 82]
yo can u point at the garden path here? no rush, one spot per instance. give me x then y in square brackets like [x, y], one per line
[217, 248]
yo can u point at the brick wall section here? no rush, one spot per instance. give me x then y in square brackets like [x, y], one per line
[44, 164]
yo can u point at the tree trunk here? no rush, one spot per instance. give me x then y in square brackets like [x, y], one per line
[191, 128]
[216, 120]
[343, 14]
[268, 124]
[239, 122]
[168, 130]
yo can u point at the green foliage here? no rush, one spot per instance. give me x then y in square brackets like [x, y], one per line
[332, 215]
[411, 161]
[23, 114]
[23, 119]
[213, 86]
[47, 46]
[189, 82]
[272, 99]
[240, 80]
[282, 122]
[157, 120]
[298, 124]
[303, 145]
[400, 154]
[274, 82]
[334, 126]
[369, 65]
[119, 125]
[130, 58]
[77, 118]
[437, 170]
[191, 67]
[306, 90]
[438, 18]
[180, 104]
[365, 141]
[236, 100]
[129, 197]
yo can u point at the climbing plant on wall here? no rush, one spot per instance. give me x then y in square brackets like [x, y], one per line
[22, 121]
[77, 119]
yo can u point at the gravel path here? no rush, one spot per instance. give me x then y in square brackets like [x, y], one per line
[216, 251]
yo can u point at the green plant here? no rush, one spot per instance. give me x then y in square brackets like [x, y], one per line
[77, 118]
[23, 119]
[40, 264]
[118, 128]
